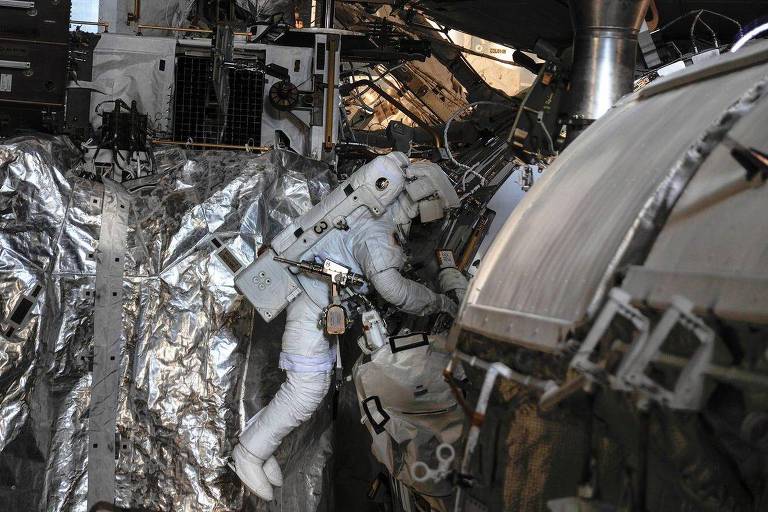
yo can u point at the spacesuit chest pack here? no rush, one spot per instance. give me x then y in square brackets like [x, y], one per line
[367, 248]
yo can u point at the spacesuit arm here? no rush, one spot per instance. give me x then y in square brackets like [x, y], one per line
[410, 296]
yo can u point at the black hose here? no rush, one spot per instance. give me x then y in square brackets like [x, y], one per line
[346, 90]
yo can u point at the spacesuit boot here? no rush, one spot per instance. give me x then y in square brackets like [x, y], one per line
[257, 475]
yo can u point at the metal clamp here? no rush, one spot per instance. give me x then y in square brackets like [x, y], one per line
[687, 392]
[445, 455]
[618, 305]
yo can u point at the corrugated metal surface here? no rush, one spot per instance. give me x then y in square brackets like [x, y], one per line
[713, 249]
[549, 267]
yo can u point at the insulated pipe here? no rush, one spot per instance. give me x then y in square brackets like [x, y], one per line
[604, 53]
[182, 29]
[330, 90]
[329, 13]
[180, 143]
[94, 23]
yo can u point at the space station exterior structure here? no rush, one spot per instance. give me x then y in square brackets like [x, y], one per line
[636, 270]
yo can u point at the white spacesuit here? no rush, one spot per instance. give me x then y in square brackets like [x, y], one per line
[369, 246]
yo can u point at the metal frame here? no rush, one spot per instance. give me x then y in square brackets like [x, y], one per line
[618, 304]
[107, 325]
[688, 392]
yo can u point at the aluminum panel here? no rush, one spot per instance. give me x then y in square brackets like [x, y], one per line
[713, 250]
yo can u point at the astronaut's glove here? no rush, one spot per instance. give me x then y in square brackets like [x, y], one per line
[446, 305]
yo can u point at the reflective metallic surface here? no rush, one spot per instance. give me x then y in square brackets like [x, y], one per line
[195, 364]
[605, 46]
[712, 249]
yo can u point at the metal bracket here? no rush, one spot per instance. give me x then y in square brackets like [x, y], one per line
[107, 343]
[618, 305]
[688, 391]
[492, 371]
[445, 455]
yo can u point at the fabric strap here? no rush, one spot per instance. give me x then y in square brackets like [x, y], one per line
[306, 364]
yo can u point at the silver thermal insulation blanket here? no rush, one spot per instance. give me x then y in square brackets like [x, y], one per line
[158, 354]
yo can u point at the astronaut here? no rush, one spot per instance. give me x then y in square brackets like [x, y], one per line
[369, 245]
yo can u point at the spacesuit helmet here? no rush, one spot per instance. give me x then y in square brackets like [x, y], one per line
[427, 194]
[385, 174]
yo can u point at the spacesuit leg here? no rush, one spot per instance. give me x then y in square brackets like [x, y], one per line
[307, 360]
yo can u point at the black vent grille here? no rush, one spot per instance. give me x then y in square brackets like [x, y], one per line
[196, 110]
